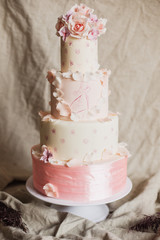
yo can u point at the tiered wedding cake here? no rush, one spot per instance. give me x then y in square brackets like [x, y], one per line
[79, 157]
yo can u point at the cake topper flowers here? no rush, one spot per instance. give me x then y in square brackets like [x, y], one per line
[80, 22]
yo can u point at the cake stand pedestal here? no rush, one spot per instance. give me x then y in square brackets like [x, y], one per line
[94, 211]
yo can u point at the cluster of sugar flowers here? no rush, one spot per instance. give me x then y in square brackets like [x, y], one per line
[80, 22]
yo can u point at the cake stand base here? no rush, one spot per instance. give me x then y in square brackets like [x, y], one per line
[94, 211]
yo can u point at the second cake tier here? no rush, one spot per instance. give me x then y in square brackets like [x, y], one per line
[79, 96]
[82, 142]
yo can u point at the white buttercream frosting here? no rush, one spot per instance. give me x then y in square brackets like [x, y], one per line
[88, 159]
[80, 140]
[77, 76]
[79, 55]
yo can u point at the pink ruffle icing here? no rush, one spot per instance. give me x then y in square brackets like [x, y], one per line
[80, 183]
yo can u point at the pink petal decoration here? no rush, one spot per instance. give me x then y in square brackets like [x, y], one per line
[93, 34]
[55, 149]
[70, 43]
[46, 154]
[62, 140]
[64, 32]
[71, 63]
[50, 76]
[53, 130]
[77, 51]
[87, 44]
[95, 131]
[46, 137]
[50, 190]
[74, 162]
[45, 116]
[72, 132]
[85, 140]
[64, 109]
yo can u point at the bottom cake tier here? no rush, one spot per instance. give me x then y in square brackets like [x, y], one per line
[83, 183]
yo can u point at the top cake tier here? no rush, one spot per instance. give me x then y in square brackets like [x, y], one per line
[79, 55]
[79, 29]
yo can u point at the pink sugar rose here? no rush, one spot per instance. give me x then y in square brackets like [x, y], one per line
[93, 34]
[78, 25]
[80, 21]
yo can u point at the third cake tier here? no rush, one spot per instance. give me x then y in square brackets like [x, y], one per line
[79, 141]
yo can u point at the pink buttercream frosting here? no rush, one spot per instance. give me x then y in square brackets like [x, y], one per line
[80, 183]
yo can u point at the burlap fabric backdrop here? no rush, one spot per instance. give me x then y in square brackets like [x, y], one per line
[131, 49]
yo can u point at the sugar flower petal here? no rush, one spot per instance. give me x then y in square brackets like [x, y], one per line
[63, 108]
[46, 154]
[64, 32]
[51, 190]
